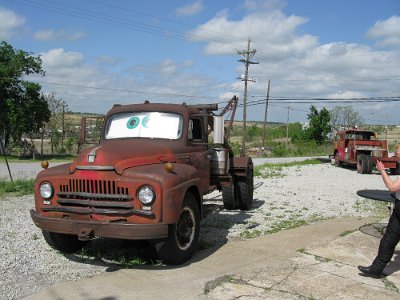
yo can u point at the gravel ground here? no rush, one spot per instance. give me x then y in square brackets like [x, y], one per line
[293, 196]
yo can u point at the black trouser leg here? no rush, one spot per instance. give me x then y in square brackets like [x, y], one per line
[389, 240]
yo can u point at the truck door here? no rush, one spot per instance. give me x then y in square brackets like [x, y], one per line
[198, 142]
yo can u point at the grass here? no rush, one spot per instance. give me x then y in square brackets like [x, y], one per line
[55, 158]
[17, 188]
[272, 170]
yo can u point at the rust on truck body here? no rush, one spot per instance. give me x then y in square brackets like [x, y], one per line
[147, 152]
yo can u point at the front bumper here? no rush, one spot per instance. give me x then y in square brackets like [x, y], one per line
[86, 230]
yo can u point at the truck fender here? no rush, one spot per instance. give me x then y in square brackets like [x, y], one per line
[186, 180]
[241, 165]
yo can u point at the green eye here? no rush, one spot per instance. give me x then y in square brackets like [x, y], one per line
[145, 121]
[132, 122]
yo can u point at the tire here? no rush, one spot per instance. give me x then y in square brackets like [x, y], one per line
[362, 164]
[370, 164]
[65, 243]
[229, 196]
[245, 191]
[395, 171]
[337, 160]
[183, 236]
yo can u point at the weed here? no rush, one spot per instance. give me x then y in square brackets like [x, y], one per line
[18, 187]
[286, 224]
[250, 234]
[211, 285]
[347, 232]
[390, 285]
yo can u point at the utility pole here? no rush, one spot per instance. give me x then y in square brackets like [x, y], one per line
[287, 127]
[62, 127]
[247, 56]
[265, 116]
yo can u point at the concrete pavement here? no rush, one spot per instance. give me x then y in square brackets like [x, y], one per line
[317, 261]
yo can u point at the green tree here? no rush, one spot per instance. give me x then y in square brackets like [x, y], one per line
[58, 107]
[22, 107]
[318, 124]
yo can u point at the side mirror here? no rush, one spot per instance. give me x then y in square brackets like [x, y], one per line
[218, 137]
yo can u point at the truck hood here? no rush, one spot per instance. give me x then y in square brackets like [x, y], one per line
[119, 155]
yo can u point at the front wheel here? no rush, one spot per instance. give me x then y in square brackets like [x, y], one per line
[65, 243]
[183, 236]
[337, 160]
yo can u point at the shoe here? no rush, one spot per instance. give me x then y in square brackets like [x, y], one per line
[371, 271]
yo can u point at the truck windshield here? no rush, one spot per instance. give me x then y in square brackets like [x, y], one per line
[144, 125]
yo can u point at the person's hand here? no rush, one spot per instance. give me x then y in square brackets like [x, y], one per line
[379, 166]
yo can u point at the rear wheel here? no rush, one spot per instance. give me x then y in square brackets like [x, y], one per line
[361, 164]
[229, 196]
[65, 243]
[395, 171]
[183, 236]
[370, 164]
[245, 191]
[364, 164]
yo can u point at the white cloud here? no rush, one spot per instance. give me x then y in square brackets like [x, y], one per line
[58, 58]
[190, 9]
[387, 32]
[51, 35]
[268, 29]
[10, 23]
[296, 63]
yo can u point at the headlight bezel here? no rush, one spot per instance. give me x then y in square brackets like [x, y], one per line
[146, 195]
[46, 190]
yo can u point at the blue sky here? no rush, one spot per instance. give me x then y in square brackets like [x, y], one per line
[98, 52]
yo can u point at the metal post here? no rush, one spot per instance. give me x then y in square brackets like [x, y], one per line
[265, 116]
[5, 157]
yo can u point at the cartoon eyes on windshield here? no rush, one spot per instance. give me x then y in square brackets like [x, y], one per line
[133, 122]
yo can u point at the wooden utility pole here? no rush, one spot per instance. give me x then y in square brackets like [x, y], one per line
[287, 126]
[247, 56]
[62, 127]
[265, 116]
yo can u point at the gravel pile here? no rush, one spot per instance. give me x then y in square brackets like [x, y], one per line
[297, 195]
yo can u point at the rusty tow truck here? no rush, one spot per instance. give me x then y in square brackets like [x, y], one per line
[145, 180]
[362, 148]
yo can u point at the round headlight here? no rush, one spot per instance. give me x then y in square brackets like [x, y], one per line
[146, 195]
[46, 190]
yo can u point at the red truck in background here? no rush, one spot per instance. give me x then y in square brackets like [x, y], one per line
[145, 180]
[362, 148]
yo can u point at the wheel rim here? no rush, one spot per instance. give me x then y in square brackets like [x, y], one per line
[185, 229]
